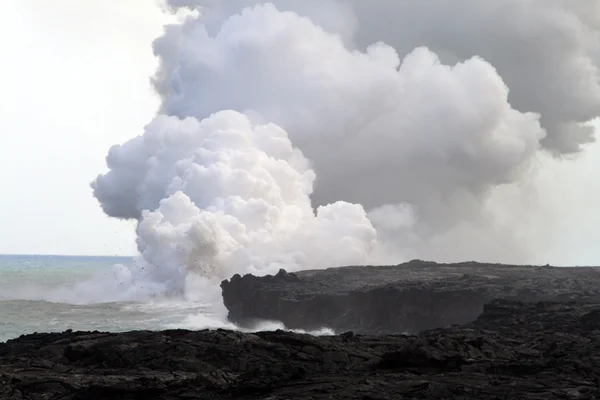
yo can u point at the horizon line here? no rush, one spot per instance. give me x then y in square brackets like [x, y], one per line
[64, 255]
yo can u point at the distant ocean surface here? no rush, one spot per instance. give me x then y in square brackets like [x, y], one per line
[56, 293]
[27, 285]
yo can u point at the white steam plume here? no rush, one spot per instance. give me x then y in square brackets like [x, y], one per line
[547, 51]
[223, 196]
[428, 148]
[363, 123]
[379, 130]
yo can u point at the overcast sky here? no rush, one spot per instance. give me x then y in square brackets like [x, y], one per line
[74, 80]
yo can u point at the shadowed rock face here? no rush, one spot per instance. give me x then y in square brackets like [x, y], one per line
[512, 351]
[409, 297]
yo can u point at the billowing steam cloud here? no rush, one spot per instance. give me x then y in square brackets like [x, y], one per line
[222, 196]
[546, 51]
[261, 102]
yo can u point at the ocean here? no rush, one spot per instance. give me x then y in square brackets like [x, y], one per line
[54, 293]
[43, 294]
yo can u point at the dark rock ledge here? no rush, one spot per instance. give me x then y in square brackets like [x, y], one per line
[407, 298]
[512, 351]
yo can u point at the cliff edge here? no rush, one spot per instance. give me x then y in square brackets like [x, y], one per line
[409, 298]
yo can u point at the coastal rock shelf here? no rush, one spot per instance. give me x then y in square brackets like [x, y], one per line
[409, 298]
[512, 351]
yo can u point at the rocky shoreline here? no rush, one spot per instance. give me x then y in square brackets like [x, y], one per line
[513, 350]
[410, 297]
[477, 331]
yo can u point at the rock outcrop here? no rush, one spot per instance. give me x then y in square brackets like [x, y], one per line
[512, 351]
[408, 298]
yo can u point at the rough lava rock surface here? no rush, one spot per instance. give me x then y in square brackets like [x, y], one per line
[512, 351]
[408, 298]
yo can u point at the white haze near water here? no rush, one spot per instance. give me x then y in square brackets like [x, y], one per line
[310, 134]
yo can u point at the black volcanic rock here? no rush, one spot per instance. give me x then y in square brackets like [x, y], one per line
[409, 298]
[512, 351]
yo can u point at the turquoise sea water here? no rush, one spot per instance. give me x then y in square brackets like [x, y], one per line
[33, 290]
[56, 293]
